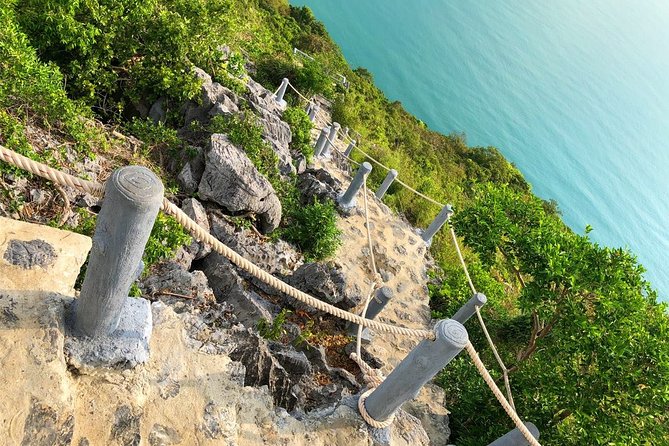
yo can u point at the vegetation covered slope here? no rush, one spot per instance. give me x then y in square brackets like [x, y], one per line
[577, 323]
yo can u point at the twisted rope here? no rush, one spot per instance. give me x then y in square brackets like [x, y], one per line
[298, 93]
[498, 394]
[201, 234]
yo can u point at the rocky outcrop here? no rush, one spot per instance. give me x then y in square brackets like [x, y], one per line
[231, 181]
[191, 173]
[215, 100]
[318, 184]
[325, 282]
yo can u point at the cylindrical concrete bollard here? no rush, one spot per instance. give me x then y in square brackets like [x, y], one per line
[312, 112]
[320, 142]
[515, 437]
[345, 133]
[133, 196]
[469, 308]
[332, 138]
[350, 148]
[381, 298]
[347, 200]
[420, 366]
[281, 92]
[438, 222]
[392, 174]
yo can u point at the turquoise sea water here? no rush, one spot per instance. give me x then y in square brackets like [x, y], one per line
[575, 93]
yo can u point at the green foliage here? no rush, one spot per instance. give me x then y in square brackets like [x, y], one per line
[155, 136]
[244, 131]
[585, 341]
[300, 128]
[166, 236]
[274, 330]
[313, 228]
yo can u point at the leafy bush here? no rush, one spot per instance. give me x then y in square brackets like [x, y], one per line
[273, 331]
[313, 228]
[300, 128]
[166, 236]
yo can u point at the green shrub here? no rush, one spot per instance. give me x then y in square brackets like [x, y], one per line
[274, 330]
[313, 228]
[166, 236]
[300, 128]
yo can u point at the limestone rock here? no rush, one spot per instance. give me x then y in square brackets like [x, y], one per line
[197, 212]
[215, 99]
[190, 175]
[170, 277]
[231, 180]
[36, 258]
[277, 133]
[325, 282]
[318, 184]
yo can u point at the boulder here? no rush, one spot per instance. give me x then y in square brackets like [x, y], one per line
[232, 181]
[197, 212]
[325, 282]
[262, 100]
[190, 175]
[277, 133]
[215, 99]
[170, 283]
[318, 184]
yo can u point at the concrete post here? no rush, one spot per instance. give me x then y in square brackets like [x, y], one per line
[420, 366]
[438, 222]
[469, 308]
[381, 298]
[345, 133]
[320, 142]
[392, 174]
[281, 92]
[347, 201]
[133, 196]
[350, 148]
[331, 137]
[312, 112]
[515, 438]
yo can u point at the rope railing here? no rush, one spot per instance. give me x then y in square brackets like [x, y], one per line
[204, 236]
[372, 377]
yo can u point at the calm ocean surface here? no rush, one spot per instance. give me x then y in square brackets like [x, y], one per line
[575, 93]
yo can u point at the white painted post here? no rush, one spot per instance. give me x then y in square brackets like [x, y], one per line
[420, 366]
[515, 437]
[320, 142]
[347, 201]
[438, 222]
[281, 92]
[392, 174]
[332, 138]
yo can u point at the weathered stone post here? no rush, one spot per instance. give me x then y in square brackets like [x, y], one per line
[108, 327]
[320, 142]
[350, 148]
[380, 300]
[392, 174]
[281, 92]
[515, 438]
[437, 223]
[347, 201]
[133, 196]
[469, 308]
[312, 112]
[332, 137]
[420, 366]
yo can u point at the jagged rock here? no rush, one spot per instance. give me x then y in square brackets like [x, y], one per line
[430, 409]
[197, 212]
[216, 99]
[231, 180]
[369, 358]
[277, 133]
[157, 111]
[300, 163]
[247, 306]
[276, 257]
[325, 282]
[319, 184]
[262, 100]
[190, 175]
[263, 367]
[170, 277]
